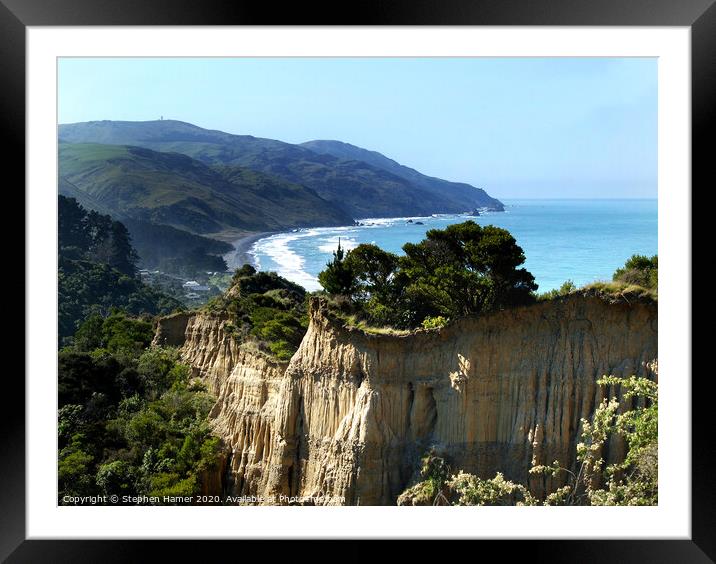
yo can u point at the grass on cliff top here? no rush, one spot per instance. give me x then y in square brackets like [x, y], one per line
[614, 292]
[636, 281]
[611, 292]
[351, 316]
[354, 322]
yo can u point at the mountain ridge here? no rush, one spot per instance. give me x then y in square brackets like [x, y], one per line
[174, 189]
[358, 188]
[341, 149]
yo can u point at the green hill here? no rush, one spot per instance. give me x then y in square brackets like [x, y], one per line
[359, 188]
[454, 190]
[176, 190]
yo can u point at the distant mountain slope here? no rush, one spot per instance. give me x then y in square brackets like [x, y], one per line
[347, 151]
[359, 188]
[66, 188]
[176, 190]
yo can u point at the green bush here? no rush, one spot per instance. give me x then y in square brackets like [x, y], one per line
[74, 468]
[116, 332]
[434, 322]
[172, 484]
[377, 312]
[565, 289]
[116, 478]
[121, 332]
[639, 270]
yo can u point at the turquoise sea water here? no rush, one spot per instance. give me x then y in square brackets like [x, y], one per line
[581, 240]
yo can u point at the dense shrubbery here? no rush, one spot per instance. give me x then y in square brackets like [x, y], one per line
[97, 270]
[130, 420]
[637, 279]
[639, 270]
[265, 309]
[434, 322]
[632, 481]
[460, 270]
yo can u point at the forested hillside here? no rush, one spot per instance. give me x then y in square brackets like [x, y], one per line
[97, 270]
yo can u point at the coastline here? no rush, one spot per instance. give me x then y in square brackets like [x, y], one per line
[242, 243]
[240, 255]
[544, 228]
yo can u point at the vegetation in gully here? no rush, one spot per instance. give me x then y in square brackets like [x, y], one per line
[131, 421]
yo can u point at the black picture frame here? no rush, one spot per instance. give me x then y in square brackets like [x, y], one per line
[16, 15]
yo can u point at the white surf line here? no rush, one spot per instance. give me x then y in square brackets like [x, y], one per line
[288, 263]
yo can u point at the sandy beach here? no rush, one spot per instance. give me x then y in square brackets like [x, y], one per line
[240, 255]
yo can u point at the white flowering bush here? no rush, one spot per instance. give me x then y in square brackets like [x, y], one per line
[632, 481]
[432, 489]
[471, 490]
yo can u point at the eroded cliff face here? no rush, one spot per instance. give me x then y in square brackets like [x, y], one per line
[347, 420]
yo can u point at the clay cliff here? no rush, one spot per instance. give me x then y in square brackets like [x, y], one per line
[348, 418]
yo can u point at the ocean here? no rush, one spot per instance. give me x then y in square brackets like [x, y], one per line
[578, 240]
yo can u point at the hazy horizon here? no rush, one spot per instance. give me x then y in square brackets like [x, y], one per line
[521, 128]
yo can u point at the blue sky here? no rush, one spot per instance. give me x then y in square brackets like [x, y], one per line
[518, 127]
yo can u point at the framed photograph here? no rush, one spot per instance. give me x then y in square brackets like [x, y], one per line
[297, 276]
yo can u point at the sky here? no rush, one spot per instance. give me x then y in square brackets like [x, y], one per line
[517, 127]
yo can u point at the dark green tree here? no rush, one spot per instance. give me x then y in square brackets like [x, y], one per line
[121, 332]
[338, 278]
[373, 269]
[245, 271]
[122, 255]
[116, 478]
[72, 226]
[99, 228]
[461, 270]
[89, 334]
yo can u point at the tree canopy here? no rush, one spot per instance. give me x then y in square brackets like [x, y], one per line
[461, 270]
[338, 278]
